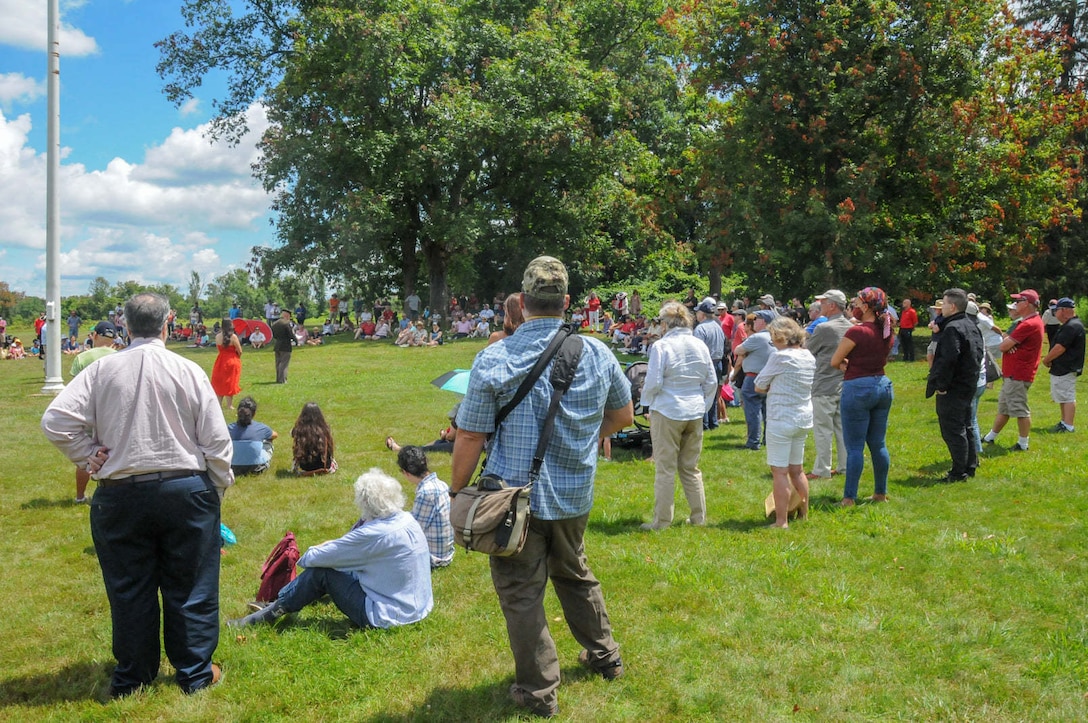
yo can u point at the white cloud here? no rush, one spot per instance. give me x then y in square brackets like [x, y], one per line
[152, 221]
[26, 25]
[190, 107]
[17, 87]
[22, 186]
[187, 157]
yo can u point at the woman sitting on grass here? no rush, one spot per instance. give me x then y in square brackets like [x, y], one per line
[313, 446]
[252, 440]
[436, 335]
[378, 573]
[786, 379]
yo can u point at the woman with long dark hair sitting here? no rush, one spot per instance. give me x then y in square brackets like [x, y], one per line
[313, 446]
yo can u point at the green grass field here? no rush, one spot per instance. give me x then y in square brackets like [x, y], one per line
[951, 602]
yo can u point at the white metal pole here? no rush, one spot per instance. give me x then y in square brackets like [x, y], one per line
[53, 381]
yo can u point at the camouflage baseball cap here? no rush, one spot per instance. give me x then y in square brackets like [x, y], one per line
[545, 279]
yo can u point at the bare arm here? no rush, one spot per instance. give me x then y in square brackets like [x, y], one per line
[838, 359]
[1008, 344]
[616, 419]
[1055, 351]
[467, 449]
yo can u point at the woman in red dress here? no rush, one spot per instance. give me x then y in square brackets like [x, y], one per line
[227, 372]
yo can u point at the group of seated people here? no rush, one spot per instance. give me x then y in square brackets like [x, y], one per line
[416, 334]
[378, 573]
[635, 335]
[12, 348]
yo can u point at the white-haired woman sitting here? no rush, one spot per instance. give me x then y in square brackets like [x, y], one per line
[378, 574]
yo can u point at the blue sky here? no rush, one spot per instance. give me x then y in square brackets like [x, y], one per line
[143, 194]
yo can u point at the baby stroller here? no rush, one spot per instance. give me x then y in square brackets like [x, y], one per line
[638, 435]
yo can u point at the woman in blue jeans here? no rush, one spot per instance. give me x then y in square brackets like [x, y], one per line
[866, 393]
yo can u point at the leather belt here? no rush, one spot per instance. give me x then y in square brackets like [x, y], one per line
[149, 477]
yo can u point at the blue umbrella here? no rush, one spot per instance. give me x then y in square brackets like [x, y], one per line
[455, 381]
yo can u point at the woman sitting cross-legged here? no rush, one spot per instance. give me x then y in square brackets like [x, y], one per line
[252, 441]
[378, 573]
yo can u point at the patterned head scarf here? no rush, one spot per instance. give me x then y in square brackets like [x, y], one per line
[875, 298]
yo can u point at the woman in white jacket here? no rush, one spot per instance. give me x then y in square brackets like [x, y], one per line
[679, 388]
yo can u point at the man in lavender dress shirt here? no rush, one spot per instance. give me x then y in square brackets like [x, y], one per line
[146, 423]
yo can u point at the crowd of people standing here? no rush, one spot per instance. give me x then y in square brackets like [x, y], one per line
[827, 376]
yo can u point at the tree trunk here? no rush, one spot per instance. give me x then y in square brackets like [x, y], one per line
[716, 281]
[437, 260]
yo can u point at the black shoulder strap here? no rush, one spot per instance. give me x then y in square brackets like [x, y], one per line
[527, 383]
[562, 376]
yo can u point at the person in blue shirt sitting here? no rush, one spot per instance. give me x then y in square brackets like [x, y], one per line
[252, 441]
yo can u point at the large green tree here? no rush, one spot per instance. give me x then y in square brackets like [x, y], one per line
[914, 145]
[446, 137]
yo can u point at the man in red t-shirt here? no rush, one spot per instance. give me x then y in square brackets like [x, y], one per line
[908, 319]
[1021, 349]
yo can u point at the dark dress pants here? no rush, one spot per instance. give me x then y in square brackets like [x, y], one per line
[283, 358]
[710, 418]
[906, 344]
[954, 415]
[160, 537]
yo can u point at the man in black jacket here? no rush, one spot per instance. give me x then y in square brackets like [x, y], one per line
[953, 377]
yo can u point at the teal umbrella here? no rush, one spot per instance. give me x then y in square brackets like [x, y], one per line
[455, 381]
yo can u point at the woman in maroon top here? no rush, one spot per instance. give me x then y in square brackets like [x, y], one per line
[866, 393]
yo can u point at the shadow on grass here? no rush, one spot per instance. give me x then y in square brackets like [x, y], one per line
[79, 681]
[619, 526]
[41, 503]
[484, 701]
[745, 525]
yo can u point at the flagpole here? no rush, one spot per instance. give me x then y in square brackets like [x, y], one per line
[53, 381]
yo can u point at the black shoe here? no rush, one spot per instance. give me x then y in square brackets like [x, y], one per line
[1060, 428]
[270, 614]
[522, 699]
[988, 441]
[1019, 448]
[949, 477]
[608, 671]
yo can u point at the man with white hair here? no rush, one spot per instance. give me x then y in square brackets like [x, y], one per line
[827, 385]
[753, 355]
[1065, 360]
[378, 573]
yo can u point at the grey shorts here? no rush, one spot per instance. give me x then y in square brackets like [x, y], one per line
[1013, 400]
[1063, 388]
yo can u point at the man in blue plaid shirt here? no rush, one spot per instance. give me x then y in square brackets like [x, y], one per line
[432, 504]
[597, 404]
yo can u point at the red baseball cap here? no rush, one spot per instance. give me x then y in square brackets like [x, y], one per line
[1029, 295]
